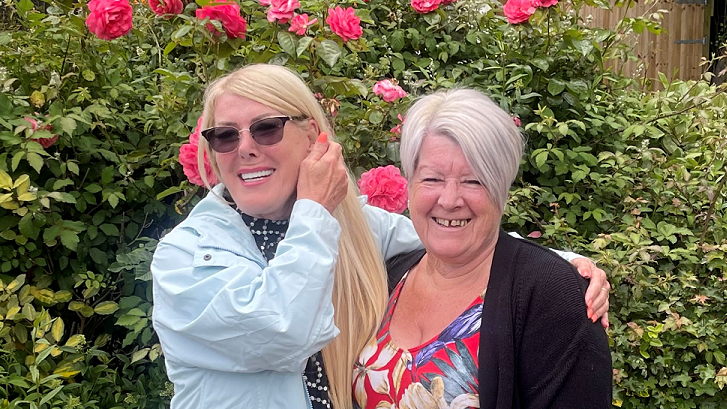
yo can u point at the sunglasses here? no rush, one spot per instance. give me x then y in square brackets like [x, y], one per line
[268, 131]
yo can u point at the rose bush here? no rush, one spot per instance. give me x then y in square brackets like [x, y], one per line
[632, 177]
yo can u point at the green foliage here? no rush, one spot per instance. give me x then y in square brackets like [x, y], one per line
[634, 178]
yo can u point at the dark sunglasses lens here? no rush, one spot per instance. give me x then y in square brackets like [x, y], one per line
[223, 138]
[268, 131]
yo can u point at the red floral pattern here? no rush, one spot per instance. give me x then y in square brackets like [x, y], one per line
[441, 373]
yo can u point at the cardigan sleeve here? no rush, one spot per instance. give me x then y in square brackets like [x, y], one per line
[563, 359]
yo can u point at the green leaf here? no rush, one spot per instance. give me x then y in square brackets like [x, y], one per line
[139, 355]
[303, 44]
[578, 86]
[106, 308]
[88, 75]
[35, 160]
[541, 158]
[62, 296]
[376, 117]
[171, 46]
[98, 256]
[432, 18]
[329, 51]
[127, 320]
[181, 32]
[288, 42]
[50, 395]
[109, 229]
[555, 86]
[60, 183]
[113, 200]
[27, 228]
[76, 306]
[25, 5]
[62, 197]
[15, 284]
[69, 239]
[107, 175]
[6, 182]
[68, 125]
[396, 41]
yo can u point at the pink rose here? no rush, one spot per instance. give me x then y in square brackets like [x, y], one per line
[385, 187]
[166, 7]
[264, 2]
[282, 10]
[389, 91]
[188, 154]
[33, 123]
[109, 19]
[344, 23]
[516, 121]
[397, 129]
[228, 13]
[544, 3]
[299, 24]
[44, 142]
[535, 234]
[518, 11]
[447, 2]
[425, 6]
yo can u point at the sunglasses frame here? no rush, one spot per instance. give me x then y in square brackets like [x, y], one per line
[208, 133]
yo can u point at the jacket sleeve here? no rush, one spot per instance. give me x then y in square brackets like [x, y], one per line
[563, 358]
[219, 310]
[393, 232]
[566, 255]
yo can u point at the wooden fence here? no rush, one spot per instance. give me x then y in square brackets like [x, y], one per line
[680, 47]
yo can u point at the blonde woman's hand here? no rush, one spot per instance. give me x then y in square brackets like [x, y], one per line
[323, 176]
[598, 289]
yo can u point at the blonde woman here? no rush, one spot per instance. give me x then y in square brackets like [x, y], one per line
[267, 292]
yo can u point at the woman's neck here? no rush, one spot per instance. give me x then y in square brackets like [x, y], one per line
[456, 274]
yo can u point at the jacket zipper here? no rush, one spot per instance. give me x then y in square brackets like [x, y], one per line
[307, 394]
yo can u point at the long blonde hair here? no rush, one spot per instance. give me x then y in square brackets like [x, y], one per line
[359, 285]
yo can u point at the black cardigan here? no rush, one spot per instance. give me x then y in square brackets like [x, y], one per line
[538, 349]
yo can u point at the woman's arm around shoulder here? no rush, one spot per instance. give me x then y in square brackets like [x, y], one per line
[393, 232]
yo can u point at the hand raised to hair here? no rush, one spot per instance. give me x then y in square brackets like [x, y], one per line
[323, 176]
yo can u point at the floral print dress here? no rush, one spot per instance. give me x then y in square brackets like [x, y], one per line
[439, 374]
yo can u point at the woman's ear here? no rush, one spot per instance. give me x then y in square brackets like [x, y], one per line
[315, 129]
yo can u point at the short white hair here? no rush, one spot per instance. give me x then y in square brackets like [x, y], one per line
[487, 135]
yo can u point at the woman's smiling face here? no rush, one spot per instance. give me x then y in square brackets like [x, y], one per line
[451, 211]
[262, 179]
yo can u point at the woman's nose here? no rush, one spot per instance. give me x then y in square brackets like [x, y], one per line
[247, 147]
[450, 197]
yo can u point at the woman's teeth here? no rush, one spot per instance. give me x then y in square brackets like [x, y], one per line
[452, 223]
[255, 175]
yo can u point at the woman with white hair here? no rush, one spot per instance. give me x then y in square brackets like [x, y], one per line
[266, 294]
[478, 319]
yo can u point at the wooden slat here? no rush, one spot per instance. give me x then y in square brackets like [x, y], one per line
[659, 53]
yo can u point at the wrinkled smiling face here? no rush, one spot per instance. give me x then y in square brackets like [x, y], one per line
[451, 211]
[262, 179]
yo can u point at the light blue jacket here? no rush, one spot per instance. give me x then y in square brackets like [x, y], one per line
[236, 331]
